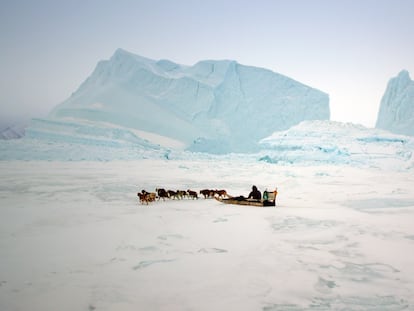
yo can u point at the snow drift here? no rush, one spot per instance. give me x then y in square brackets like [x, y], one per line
[396, 112]
[213, 106]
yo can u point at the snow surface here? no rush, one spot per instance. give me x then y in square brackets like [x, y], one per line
[213, 106]
[73, 237]
[397, 106]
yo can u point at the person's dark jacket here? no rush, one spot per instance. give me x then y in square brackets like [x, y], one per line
[255, 194]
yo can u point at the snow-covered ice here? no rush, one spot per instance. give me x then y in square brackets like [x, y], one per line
[329, 142]
[308, 143]
[73, 237]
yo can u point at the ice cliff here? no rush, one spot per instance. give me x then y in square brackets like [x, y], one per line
[396, 112]
[212, 106]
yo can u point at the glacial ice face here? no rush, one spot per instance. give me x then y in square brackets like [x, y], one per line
[396, 112]
[212, 106]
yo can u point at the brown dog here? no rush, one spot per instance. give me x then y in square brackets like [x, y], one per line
[221, 193]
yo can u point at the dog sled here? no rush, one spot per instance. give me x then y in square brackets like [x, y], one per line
[269, 199]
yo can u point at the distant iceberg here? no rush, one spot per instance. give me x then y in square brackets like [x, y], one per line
[13, 131]
[396, 112]
[214, 106]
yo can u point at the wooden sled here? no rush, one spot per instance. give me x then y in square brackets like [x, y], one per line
[270, 201]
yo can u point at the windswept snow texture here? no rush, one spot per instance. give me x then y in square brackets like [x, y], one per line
[329, 142]
[213, 106]
[74, 237]
[397, 106]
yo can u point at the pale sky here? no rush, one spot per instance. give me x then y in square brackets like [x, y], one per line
[348, 49]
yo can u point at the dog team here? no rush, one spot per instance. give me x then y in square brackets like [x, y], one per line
[146, 197]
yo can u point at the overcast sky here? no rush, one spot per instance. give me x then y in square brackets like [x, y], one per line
[348, 49]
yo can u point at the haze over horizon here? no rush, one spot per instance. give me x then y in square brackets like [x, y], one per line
[349, 50]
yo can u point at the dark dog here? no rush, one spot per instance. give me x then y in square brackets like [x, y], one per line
[192, 194]
[161, 194]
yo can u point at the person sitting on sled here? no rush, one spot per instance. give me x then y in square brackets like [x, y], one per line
[255, 194]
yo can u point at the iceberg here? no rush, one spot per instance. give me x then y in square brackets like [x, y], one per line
[214, 106]
[396, 113]
[13, 129]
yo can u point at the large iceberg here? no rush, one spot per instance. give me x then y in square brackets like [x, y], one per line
[396, 112]
[212, 106]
